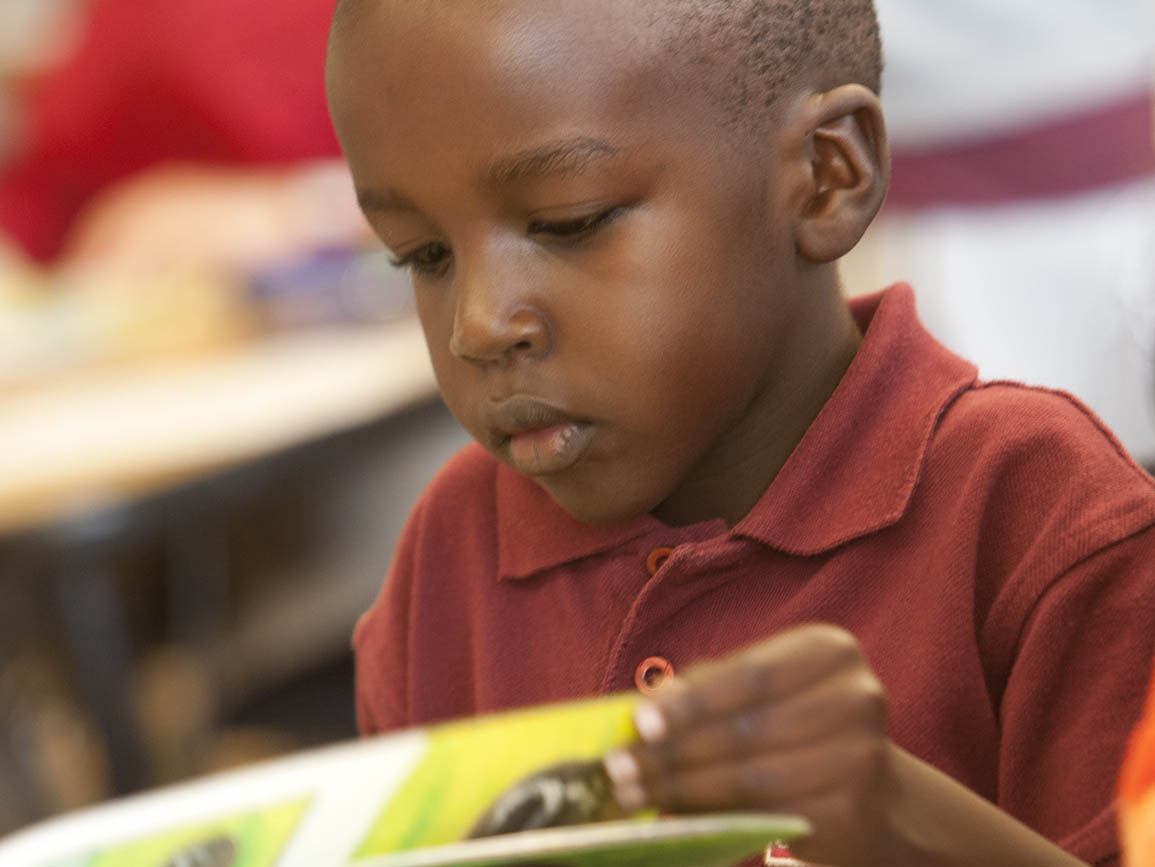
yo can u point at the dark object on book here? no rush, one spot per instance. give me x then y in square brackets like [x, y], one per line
[571, 793]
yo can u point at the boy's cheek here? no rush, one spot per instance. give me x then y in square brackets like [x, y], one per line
[463, 410]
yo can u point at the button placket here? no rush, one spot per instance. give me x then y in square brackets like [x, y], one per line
[654, 671]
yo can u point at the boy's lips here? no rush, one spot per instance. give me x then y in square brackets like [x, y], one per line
[537, 437]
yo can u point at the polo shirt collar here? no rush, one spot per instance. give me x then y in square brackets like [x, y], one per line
[852, 474]
[535, 533]
[855, 470]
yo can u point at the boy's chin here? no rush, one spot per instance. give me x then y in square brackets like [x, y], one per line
[592, 506]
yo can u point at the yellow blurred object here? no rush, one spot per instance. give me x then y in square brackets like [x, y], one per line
[87, 317]
[161, 265]
[1138, 831]
[168, 313]
[234, 220]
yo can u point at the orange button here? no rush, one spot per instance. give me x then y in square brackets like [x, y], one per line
[657, 557]
[652, 673]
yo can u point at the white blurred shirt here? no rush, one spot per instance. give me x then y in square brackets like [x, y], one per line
[959, 69]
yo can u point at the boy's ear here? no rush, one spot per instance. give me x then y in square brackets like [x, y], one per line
[848, 173]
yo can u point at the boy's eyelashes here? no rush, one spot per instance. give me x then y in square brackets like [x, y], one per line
[426, 259]
[576, 227]
[429, 259]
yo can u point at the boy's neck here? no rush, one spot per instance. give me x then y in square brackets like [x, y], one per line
[765, 443]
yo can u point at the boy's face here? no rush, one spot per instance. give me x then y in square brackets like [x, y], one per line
[605, 288]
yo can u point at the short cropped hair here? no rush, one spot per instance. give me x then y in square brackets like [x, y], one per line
[749, 51]
[755, 49]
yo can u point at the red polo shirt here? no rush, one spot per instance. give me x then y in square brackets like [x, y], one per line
[989, 544]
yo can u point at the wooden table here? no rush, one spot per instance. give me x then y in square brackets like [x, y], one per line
[103, 438]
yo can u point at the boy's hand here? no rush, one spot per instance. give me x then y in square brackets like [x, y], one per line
[796, 724]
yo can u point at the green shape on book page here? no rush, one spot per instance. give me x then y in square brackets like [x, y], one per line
[467, 764]
[251, 839]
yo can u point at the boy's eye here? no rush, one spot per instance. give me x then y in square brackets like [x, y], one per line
[427, 259]
[574, 229]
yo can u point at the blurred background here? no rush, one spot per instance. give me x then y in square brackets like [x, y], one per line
[215, 405]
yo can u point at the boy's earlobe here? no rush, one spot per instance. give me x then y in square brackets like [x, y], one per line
[848, 174]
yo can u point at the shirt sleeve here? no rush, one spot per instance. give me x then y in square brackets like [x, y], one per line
[1074, 691]
[381, 642]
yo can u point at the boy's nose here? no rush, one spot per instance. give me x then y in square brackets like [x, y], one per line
[492, 326]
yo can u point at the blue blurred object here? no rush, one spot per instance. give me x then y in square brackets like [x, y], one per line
[331, 286]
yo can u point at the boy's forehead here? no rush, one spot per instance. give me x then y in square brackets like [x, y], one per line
[404, 61]
[526, 26]
[567, 40]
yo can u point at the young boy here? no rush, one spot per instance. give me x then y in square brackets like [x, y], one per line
[622, 221]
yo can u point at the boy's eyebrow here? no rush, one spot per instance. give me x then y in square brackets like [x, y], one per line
[566, 157]
[376, 201]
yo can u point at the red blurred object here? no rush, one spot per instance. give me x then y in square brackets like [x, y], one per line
[212, 81]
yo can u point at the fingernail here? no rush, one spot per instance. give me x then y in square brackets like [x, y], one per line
[622, 768]
[649, 722]
[630, 798]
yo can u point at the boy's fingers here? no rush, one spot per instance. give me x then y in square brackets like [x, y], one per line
[772, 670]
[849, 701]
[778, 781]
